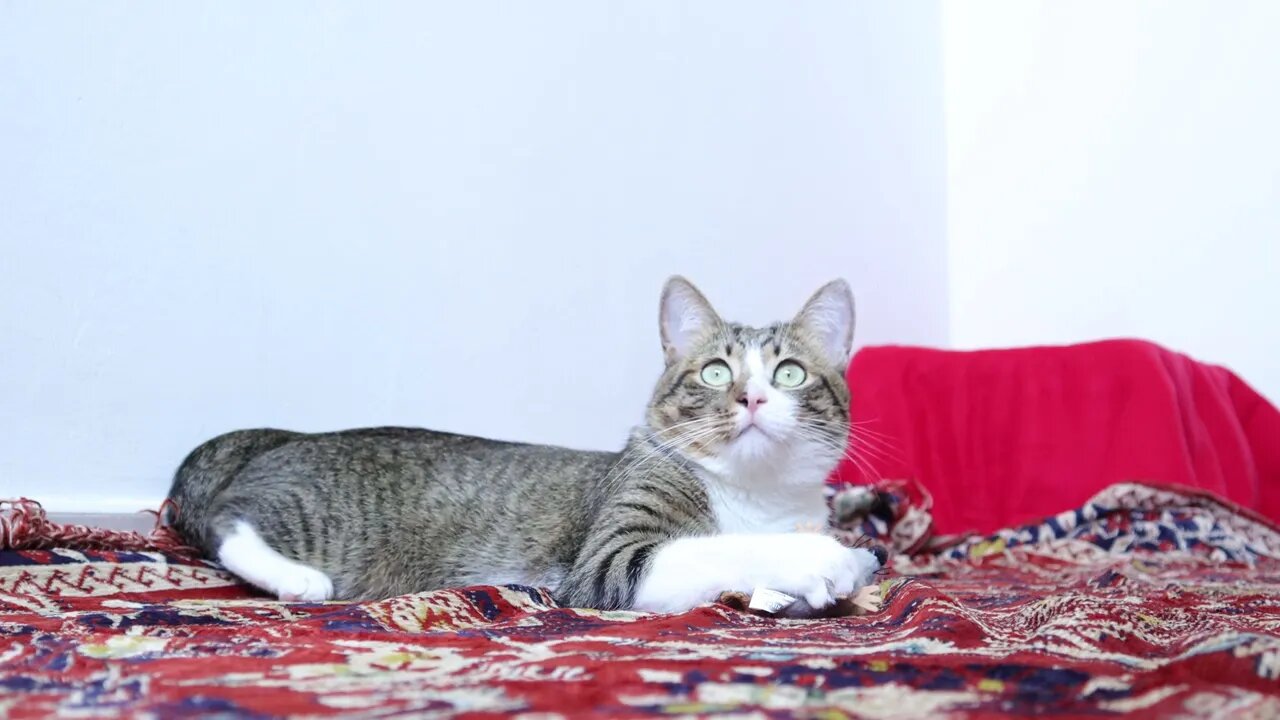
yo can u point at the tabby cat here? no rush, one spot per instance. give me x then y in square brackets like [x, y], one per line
[720, 489]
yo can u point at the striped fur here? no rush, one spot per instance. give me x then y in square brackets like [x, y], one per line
[387, 511]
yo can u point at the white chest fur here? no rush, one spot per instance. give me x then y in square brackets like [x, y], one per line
[782, 509]
[783, 493]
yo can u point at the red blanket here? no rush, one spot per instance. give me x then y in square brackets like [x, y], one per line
[1144, 601]
[1001, 437]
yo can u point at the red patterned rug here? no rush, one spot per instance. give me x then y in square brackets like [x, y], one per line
[1148, 601]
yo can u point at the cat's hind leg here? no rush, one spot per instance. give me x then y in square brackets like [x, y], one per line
[245, 553]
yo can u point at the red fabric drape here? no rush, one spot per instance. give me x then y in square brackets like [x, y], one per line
[1001, 437]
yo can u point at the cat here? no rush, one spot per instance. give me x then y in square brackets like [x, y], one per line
[713, 492]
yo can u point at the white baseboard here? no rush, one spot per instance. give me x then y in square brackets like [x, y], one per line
[137, 522]
[96, 504]
[105, 512]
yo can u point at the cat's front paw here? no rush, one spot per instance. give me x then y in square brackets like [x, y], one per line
[816, 568]
[690, 571]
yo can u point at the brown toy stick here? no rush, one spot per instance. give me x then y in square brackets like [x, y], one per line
[865, 600]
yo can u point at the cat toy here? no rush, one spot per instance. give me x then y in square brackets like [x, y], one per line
[767, 602]
[772, 603]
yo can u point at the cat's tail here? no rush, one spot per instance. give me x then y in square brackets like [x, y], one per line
[206, 472]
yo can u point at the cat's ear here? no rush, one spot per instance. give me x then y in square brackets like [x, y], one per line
[828, 317]
[685, 317]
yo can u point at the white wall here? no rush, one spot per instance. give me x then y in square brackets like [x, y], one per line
[1114, 169]
[457, 215]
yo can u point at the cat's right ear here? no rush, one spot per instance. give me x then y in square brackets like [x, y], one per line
[684, 318]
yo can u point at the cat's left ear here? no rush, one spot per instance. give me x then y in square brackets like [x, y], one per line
[684, 317]
[828, 317]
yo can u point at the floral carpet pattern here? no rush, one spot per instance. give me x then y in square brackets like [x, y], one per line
[1150, 601]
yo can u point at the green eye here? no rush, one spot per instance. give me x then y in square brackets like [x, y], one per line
[789, 374]
[716, 374]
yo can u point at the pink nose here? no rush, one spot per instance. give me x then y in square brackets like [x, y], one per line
[751, 400]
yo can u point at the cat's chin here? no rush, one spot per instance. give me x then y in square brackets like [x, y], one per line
[752, 451]
[753, 443]
[771, 459]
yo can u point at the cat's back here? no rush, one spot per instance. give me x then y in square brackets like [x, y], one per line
[382, 469]
[405, 454]
[389, 453]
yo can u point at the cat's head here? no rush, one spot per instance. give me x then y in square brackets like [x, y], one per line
[743, 401]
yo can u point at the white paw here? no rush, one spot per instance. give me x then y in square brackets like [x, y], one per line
[303, 584]
[814, 567]
[695, 570]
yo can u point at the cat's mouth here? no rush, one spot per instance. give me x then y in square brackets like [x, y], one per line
[751, 429]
